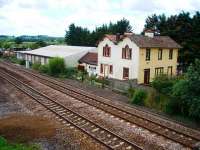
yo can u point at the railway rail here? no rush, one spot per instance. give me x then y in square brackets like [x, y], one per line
[183, 137]
[70, 118]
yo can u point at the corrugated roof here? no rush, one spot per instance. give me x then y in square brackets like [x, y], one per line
[89, 58]
[148, 42]
[60, 50]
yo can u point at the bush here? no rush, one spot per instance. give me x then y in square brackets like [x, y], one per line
[82, 75]
[102, 81]
[131, 92]
[44, 69]
[70, 72]
[22, 62]
[56, 66]
[139, 97]
[164, 84]
[4, 145]
[36, 66]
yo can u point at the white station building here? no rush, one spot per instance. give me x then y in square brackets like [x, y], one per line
[71, 54]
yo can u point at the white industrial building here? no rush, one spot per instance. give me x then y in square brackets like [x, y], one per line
[71, 54]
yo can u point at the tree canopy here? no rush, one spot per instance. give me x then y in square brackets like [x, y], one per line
[79, 36]
[184, 29]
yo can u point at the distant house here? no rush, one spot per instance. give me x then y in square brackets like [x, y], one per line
[137, 57]
[71, 54]
[89, 63]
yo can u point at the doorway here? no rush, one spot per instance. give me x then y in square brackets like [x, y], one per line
[146, 76]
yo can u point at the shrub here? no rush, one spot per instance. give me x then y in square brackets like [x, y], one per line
[44, 69]
[139, 97]
[103, 81]
[82, 75]
[22, 62]
[4, 145]
[164, 84]
[70, 72]
[56, 66]
[131, 92]
[36, 66]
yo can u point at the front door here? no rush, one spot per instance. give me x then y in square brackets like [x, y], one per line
[146, 76]
[106, 70]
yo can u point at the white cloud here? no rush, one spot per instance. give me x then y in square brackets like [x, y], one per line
[52, 17]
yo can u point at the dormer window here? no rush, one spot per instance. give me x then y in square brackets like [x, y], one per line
[106, 51]
[126, 52]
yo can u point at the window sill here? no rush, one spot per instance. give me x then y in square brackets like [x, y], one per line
[125, 78]
[126, 59]
[106, 56]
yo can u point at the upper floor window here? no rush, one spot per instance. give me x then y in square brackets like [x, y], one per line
[171, 54]
[106, 51]
[126, 52]
[148, 54]
[160, 54]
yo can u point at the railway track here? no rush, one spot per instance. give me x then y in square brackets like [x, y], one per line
[70, 118]
[184, 138]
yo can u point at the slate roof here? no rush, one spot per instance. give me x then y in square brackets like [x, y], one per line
[89, 58]
[147, 42]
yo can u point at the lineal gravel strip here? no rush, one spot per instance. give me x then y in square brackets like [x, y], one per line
[132, 132]
[13, 101]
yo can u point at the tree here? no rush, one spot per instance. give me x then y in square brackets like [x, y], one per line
[76, 35]
[18, 40]
[187, 91]
[152, 22]
[121, 26]
[41, 43]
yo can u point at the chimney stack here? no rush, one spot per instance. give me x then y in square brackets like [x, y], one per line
[149, 33]
[118, 37]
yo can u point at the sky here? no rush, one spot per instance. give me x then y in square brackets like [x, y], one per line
[52, 17]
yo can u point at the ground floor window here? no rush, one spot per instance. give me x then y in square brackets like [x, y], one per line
[169, 70]
[125, 73]
[111, 69]
[159, 71]
[101, 68]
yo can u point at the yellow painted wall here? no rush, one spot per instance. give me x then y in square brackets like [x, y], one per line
[155, 63]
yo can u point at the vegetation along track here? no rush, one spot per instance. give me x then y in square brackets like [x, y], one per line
[70, 118]
[184, 137]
